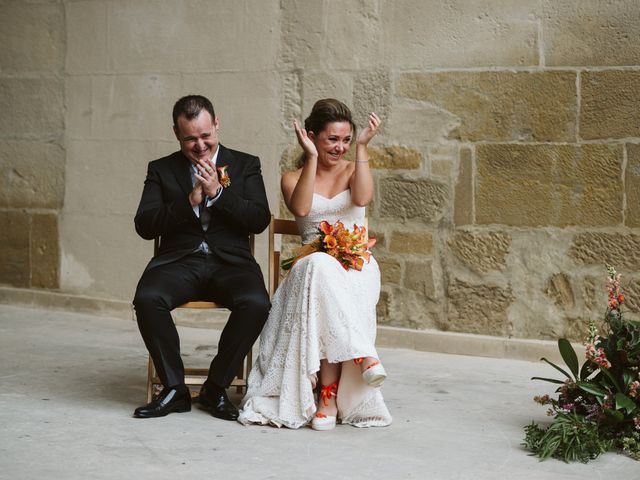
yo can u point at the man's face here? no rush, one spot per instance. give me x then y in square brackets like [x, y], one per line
[198, 137]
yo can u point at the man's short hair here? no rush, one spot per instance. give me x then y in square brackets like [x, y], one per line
[190, 106]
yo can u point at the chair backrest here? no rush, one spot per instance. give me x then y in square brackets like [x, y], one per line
[278, 226]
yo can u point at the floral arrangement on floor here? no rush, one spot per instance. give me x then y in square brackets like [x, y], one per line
[598, 404]
[349, 247]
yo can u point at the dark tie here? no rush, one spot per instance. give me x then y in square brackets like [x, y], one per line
[205, 215]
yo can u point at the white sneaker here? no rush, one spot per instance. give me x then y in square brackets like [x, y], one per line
[323, 422]
[374, 375]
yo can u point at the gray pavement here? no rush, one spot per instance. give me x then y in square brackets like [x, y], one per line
[69, 383]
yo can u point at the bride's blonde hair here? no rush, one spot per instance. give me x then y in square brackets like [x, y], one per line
[326, 111]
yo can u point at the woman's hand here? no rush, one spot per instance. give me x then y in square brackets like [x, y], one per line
[305, 142]
[369, 131]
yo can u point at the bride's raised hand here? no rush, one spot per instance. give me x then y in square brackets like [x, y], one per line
[305, 142]
[370, 130]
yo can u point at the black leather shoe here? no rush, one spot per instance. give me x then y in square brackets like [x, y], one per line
[216, 401]
[169, 400]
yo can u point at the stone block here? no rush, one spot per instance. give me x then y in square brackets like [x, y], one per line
[353, 36]
[610, 105]
[463, 197]
[420, 243]
[290, 159]
[87, 43]
[79, 112]
[441, 168]
[591, 32]
[31, 107]
[15, 265]
[559, 289]
[376, 232]
[106, 176]
[32, 38]
[600, 248]
[292, 100]
[480, 309]
[260, 38]
[415, 123]
[400, 307]
[394, 157]
[592, 293]
[44, 250]
[303, 43]
[411, 199]
[481, 252]
[446, 151]
[575, 329]
[632, 295]
[371, 93]
[246, 104]
[418, 276]
[460, 33]
[319, 85]
[390, 270]
[632, 186]
[500, 106]
[540, 185]
[382, 308]
[148, 35]
[128, 107]
[101, 255]
[31, 174]
[283, 211]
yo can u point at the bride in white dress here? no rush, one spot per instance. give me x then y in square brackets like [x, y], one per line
[322, 325]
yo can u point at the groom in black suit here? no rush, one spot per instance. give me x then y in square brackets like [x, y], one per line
[203, 202]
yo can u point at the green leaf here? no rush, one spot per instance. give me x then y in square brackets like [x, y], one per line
[614, 382]
[628, 377]
[592, 389]
[615, 414]
[569, 356]
[552, 380]
[564, 372]
[586, 371]
[624, 402]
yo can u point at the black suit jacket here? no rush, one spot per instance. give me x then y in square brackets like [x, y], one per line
[165, 211]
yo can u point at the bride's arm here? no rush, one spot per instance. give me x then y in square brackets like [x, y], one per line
[297, 187]
[361, 182]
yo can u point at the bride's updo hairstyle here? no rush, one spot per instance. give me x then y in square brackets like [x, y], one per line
[325, 111]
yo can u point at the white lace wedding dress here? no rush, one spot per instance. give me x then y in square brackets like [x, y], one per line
[319, 311]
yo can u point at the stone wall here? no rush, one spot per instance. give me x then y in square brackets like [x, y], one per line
[507, 169]
[32, 152]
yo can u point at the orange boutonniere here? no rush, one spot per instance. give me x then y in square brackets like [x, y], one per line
[223, 176]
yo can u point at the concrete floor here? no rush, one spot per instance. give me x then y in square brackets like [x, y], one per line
[69, 383]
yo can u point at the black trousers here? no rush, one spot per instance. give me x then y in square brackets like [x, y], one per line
[200, 277]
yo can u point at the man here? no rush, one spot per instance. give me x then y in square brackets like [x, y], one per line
[203, 202]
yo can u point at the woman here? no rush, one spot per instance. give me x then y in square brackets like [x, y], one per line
[323, 317]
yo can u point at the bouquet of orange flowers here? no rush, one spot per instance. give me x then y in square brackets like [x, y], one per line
[349, 247]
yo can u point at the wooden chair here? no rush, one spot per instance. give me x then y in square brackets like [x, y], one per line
[278, 226]
[196, 376]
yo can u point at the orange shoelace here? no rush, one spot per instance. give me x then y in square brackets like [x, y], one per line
[358, 361]
[328, 391]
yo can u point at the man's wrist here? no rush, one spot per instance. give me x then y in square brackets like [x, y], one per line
[212, 199]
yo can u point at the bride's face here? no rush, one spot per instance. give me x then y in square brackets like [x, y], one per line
[333, 142]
